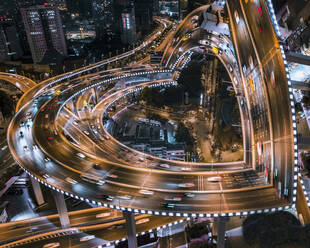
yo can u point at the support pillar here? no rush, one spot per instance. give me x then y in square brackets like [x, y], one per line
[37, 191]
[62, 209]
[130, 228]
[221, 223]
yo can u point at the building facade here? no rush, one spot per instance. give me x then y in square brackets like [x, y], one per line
[44, 33]
[10, 48]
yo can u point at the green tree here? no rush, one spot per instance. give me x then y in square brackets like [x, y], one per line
[190, 79]
[152, 97]
[306, 101]
[183, 135]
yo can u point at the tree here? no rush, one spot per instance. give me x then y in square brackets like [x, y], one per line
[6, 104]
[306, 101]
[152, 97]
[190, 78]
[183, 135]
[274, 230]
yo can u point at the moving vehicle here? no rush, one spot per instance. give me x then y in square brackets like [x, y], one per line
[70, 180]
[141, 221]
[146, 192]
[86, 238]
[215, 179]
[51, 245]
[92, 179]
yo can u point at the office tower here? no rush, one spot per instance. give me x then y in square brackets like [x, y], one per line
[128, 34]
[9, 42]
[144, 14]
[84, 8]
[44, 33]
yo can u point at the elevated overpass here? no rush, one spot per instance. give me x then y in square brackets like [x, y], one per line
[259, 74]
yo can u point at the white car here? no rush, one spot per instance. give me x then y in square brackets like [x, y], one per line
[102, 215]
[215, 179]
[25, 148]
[86, 238]
[185, 168]
[86, 132]
[166, 166]
[81, 155]
[51, 245]
[168, 198]
[141, 221]
[46, 159]
[75, 123]
[146, 192]
[125, 197]
[70, 180]
[186, 185]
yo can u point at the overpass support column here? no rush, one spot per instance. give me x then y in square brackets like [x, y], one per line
[62, 209]
[37, 191]
[131, 229]
[221, 223]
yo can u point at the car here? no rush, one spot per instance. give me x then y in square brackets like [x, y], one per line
[32, 229]
[172, 198]
[149, 157]
[75, 123]
[86, 238]
[112, 176]
[34, 147]
[81, 155]
[124, 149]
[46, 159]
[166, 166]
[106, 197]
[230, 68]
[124, 197]
[70, 180]
[21, 134]
[166, 205]
[43, 174]
[92, 179]
[51, 245]
[86, 132]
[46, 116]
[17, 226]
[190, 195]
[141, 221]
[141, 159]
[25, 148]
[185, 168]
[186, 185]
[146, 192]
[3, 148]
[214, 179]
[98, 166]
[102, 215]
[115, 227]
[49, 137]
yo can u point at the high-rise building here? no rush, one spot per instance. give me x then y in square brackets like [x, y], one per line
[84, 8]
[128, 34]
[44, 33]
[144, 14]
[9, 42]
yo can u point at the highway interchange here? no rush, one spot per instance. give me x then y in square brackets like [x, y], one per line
[124, 179]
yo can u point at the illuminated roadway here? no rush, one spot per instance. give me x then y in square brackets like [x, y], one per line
[174, 191]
